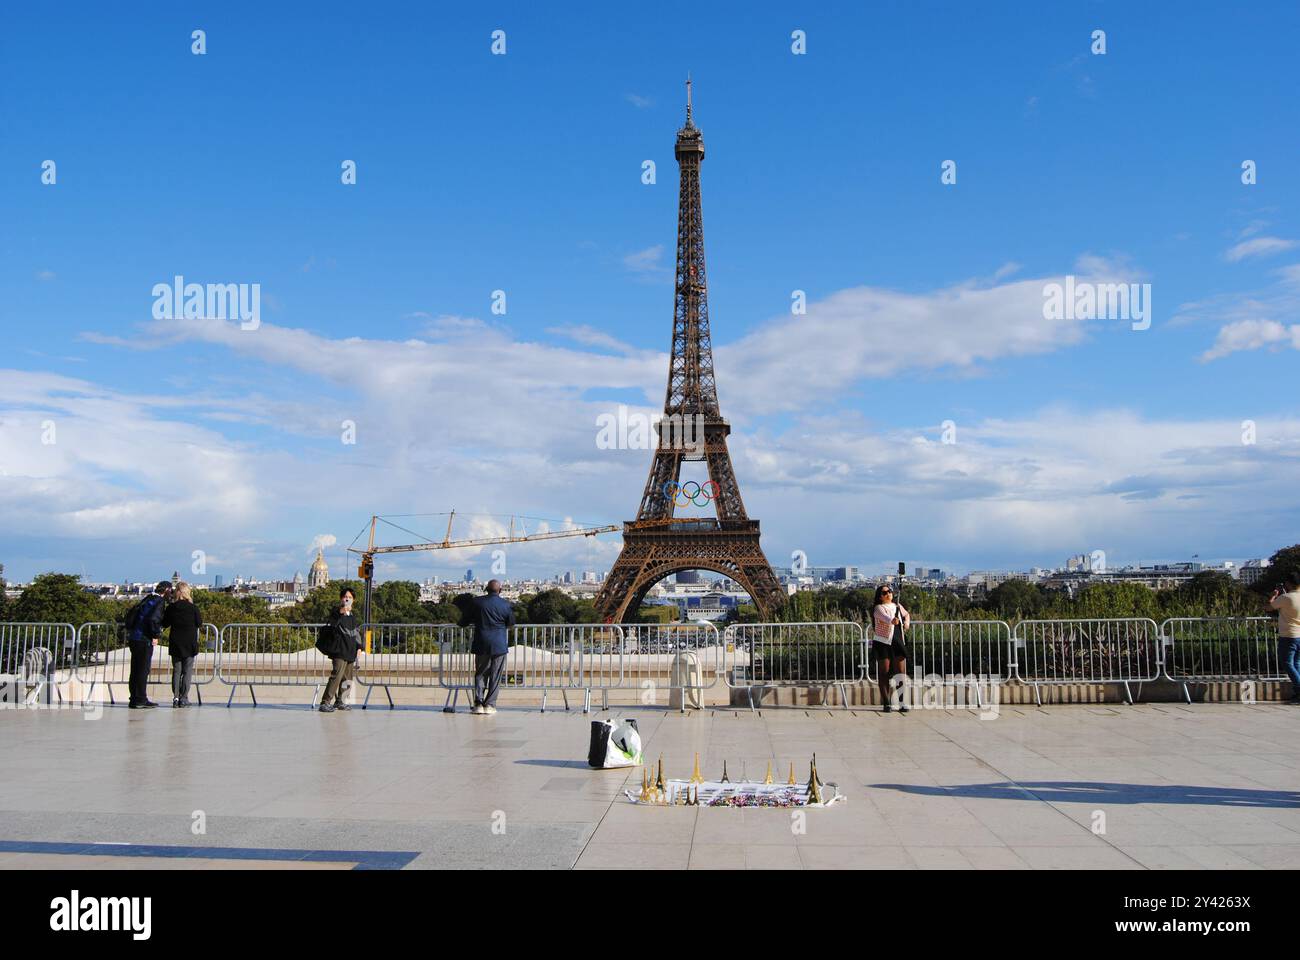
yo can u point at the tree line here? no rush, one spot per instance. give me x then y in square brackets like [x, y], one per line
[61, 598]
[1208, 594]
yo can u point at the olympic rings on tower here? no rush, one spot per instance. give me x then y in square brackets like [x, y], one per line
[682, 494]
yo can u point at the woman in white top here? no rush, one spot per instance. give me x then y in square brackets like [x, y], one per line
[888, 649]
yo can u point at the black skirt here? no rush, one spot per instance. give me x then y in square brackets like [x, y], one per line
[896, 649]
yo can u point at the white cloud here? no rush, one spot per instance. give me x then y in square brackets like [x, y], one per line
[321, 541]
[1252, 335]
[591, 337]
[1257, 247]
[468, 416]
[102, 475]
[130, 470]
[1267, 318]
[649, 260]
[871, 332]
[1056, 483]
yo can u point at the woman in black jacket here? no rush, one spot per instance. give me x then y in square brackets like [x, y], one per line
[182, 616]
[344, 637]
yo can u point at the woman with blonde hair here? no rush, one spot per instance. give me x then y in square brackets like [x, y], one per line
[182, 616]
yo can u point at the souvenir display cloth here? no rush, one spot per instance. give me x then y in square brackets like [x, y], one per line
[713, 793]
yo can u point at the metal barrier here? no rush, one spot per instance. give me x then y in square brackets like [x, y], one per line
[588, 657]
[400, 655]
[541, 657]
[544, 657]
[271, 655]
[797, 655]
[1206, 649]
[31, 654]
[958, 653]
[455, 665]
[104, 656]
[667, 655]
[1121, 650]
[604, 659]
[682, 657]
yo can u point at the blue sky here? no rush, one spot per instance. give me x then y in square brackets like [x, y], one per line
[522, 173]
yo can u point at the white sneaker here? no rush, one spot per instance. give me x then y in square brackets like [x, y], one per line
[477, 709]
[490, 711]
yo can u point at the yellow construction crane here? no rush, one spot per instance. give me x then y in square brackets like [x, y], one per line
[366, 570]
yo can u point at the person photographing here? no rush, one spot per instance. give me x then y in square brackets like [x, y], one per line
[340, 641]
[889, 624]
[1286, 601]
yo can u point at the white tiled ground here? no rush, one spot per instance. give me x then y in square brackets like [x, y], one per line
[1207, 785]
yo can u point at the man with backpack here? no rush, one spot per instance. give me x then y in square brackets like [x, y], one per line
[143, 630]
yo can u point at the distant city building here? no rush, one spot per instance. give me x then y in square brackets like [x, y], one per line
[709, 606]
[688, 576]
[1251, 571]
[320, 571]
[216, 582]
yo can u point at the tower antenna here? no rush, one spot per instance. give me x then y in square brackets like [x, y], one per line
[688, 98]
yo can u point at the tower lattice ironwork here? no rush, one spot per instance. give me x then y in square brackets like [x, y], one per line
[657, 544]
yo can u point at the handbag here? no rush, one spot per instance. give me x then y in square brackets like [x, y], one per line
[900, 634]
[327, 640]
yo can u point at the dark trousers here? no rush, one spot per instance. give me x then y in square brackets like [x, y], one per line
[487, 678]
[141, 658]
[182, 676]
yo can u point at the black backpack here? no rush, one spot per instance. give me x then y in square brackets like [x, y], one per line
[135, 616]
[325, 640]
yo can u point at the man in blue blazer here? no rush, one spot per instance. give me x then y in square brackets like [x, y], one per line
[491, 616]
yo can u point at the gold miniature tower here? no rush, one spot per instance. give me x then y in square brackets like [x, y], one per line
[645, 786]
[790, 782]
[696, 776]
[768, 778]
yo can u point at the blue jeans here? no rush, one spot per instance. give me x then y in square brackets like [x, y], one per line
[1288, 656]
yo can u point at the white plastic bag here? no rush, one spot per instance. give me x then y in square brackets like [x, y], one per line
[614, 743]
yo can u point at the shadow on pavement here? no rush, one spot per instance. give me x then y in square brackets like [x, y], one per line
[1070, 791]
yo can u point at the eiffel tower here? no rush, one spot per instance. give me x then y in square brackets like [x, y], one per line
[657, 544]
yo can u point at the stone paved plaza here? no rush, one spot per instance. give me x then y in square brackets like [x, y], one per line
[1201, 786]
